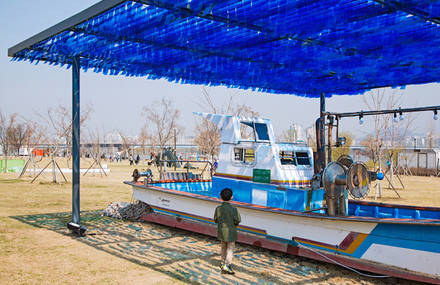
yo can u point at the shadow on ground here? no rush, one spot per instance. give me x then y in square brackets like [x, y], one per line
[192, 257]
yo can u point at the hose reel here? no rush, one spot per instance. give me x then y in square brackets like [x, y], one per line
[358, 177]
[358, 180]
[334, 180]
[341, 175]
[345, 160]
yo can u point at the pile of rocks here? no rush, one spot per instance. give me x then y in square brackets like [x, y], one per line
[127, 211]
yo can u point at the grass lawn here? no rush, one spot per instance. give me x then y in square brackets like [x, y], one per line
[37, 249]
[33, 255]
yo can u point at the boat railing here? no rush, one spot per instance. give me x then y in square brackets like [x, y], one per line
[187, 166]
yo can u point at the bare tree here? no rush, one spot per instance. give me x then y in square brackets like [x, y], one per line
[143, 138]
[288, 135]
[387, 139]
[311, 136]
[7, 124]
[294, 133]
[95, 139]
[207, 138]
[128, 144]
[345, 149]
[207, 134]
[430, 135]
[375, 142]
[36, 134]
[162, 119]
[59, 119]
[18, 134]
[388, 135]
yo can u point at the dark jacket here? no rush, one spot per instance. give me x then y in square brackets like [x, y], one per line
[227, 217]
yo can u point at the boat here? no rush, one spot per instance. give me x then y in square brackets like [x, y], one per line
[287, 206]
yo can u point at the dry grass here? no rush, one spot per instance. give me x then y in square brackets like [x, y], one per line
[33, 255]
[37, 256]
[419, 190]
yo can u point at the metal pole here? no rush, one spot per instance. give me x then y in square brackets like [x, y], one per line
[175, 149]
[329, 133]
[322, 129]
[383, 112]
[75, 139]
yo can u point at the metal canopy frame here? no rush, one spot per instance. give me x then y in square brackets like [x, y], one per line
[65, 25]
[339, 47]
[105, 5]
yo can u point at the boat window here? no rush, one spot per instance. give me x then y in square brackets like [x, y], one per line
[302, 158]
[238, 154]
[249, 155]
[287, 158]
[247, 131]
[294, 158]
[261, 130]
[246, 155]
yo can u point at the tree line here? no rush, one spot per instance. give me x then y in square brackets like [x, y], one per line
[162, 125]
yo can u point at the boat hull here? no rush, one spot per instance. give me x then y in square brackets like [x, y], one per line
[406, 250]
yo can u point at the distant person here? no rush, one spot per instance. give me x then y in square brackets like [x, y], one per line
[131, 160]
[154, 158]
[227, 218]
[137, 159]
[181, 158]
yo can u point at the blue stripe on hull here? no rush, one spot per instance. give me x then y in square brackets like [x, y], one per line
[417, 237]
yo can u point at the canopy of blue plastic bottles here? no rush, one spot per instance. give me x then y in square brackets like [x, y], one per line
[301, 47]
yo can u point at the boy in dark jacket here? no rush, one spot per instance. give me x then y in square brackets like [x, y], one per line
[227, 218]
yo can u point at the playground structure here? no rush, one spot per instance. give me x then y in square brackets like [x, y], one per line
[31, 166]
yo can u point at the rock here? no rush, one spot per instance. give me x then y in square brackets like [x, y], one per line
[126, 211]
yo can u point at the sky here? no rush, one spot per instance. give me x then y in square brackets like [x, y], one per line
[117, 101]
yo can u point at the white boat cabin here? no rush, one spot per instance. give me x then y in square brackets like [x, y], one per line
[249, 151]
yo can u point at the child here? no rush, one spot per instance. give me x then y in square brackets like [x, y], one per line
[227, 218]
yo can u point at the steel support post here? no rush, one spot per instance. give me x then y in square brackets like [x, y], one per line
[330, 134]
[322, 130]
[75, 139]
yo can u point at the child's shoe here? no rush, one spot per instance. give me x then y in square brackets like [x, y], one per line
[226, 269]
[230, 269]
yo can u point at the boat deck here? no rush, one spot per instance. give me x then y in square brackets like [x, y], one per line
[271, 197]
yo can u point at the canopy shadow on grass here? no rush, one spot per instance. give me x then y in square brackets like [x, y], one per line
[187, 256]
